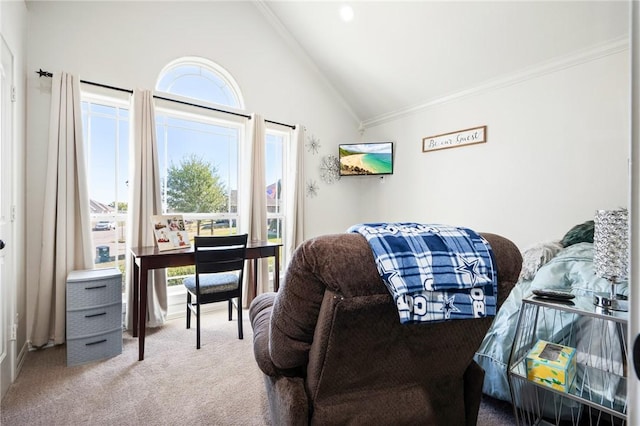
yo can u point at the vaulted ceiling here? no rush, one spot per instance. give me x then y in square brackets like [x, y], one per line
[395, 56]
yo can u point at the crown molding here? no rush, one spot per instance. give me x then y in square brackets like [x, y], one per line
[577, 58]
[298, 51]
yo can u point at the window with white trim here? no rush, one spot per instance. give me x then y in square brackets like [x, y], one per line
[106, 137]
[200, 79]
[276, 149]
[199, 161]
[191, 140]
[199, 155]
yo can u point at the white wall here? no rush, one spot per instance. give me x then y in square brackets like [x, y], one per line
[557, 149]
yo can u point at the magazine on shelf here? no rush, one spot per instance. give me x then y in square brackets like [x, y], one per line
[170, 232]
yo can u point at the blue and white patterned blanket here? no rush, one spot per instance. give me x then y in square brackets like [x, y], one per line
[434, 272]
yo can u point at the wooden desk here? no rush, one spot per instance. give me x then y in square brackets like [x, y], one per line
[146, 258]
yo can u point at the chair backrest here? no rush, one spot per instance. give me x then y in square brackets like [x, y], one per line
[215, 254]
[334, 319]
[360, 348]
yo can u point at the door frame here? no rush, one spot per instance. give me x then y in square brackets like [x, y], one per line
[7, 220]
[633, 382]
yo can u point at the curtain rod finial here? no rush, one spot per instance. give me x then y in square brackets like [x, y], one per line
[44, 73]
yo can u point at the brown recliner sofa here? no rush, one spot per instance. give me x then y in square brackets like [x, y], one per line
[333, 351]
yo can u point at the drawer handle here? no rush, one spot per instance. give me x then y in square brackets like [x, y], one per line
[95, 315]
[96, 287]
[95, 343]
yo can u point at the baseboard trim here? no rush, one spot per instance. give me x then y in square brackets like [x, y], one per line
[20, 360]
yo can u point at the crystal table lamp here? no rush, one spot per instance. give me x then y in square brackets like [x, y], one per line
[611, 255]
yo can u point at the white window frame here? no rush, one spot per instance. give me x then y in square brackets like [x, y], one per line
[95, 97]
[185, 111]
[211, 66]
[176, 295]
[274, 129]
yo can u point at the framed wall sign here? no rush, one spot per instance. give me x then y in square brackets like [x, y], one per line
[454, 139]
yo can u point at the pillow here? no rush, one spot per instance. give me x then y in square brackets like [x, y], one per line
[582, 233]
[537, 255]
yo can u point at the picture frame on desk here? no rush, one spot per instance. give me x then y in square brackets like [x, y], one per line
[170, 232]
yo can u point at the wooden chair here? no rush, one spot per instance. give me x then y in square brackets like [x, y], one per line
[219, 265]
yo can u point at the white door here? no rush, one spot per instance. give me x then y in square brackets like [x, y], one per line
[7, 291]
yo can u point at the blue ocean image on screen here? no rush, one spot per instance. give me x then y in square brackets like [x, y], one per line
[366, 158]
[381, 163]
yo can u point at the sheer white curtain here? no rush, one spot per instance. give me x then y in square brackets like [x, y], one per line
[145, 201]
[255, 205]
[294, 233]
[66, 227]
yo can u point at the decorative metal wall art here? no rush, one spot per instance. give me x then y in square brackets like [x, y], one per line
[313, 145]
[312, 188]
[330, 169]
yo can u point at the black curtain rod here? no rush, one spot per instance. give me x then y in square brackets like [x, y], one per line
[202, 106]
[42, 73]
[48, 74]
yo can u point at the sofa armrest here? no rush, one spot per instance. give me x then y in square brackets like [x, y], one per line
[288, 403]
[260, 316]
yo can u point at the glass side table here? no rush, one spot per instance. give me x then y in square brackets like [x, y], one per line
[598, 394]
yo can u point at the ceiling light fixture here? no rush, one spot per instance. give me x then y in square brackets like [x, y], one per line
[346, 13]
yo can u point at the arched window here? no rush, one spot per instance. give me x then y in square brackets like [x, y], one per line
[198, 153]
[191, 139]
[201, 79]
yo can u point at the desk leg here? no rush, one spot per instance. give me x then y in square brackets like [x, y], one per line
[142, 319]
[255, 277]
[136, 295]
[276, 272]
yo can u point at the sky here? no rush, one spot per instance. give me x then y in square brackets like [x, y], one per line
[107, 136]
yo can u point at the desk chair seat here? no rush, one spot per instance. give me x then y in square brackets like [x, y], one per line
[212, 283]
[219, 263]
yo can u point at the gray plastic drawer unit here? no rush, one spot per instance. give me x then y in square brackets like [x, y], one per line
[94, 315]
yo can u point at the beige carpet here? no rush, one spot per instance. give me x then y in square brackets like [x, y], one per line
[219, 384]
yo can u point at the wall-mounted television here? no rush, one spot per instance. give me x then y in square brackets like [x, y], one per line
[367, 158]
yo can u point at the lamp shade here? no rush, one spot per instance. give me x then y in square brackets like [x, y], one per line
[611, 244]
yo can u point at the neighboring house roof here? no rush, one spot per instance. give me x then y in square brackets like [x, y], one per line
[98, 207]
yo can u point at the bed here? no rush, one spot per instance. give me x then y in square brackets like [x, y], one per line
[558, 266]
